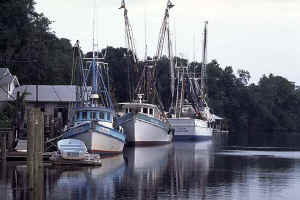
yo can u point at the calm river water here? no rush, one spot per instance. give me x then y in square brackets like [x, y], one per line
[260, 166]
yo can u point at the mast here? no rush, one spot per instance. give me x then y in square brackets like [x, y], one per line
[129, 33]
[131, 50]
[165, 32]
[88, 74]
[204, 61]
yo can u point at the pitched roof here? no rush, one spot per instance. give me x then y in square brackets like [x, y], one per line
[6, 77]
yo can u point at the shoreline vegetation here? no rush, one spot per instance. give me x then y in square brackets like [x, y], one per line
[32, 52]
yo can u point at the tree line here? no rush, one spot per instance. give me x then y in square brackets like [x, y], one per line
[32, 51]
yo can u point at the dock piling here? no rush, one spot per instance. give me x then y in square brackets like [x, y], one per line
[35, 147]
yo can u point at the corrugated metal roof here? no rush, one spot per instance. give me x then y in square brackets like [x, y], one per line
[48, 93]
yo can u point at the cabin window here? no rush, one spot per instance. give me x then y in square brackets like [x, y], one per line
[94, 115]
[151, 111]
[84, 115]
[78, 115]
[108, 116]
[101, 115]
[145, 110]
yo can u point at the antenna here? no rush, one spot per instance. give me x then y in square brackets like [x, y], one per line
[145, 23]
[194, 48]
[94, 23]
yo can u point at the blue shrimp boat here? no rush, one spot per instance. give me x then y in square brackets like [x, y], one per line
[93, 114]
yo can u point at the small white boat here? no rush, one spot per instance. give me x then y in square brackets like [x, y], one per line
[72, 152]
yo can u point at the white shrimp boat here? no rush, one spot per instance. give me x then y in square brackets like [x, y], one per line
[73, 152]
[143, 124]
[191, 129]
[143, 119]
[192, 119]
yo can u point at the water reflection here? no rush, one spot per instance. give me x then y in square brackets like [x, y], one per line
[88, 182]
[190, 169]
[145, 172]
[14, 182]
[182, 170]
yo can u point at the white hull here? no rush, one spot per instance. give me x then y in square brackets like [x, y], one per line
[189, 128]
[97, 140]
[147, 158]
[143, 132]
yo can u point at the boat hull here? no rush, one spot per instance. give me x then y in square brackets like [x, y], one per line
[143, 130]
[190, 129]
[98, 139]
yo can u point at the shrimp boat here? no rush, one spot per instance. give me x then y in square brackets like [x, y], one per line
[144, 124]
[93, 114]
[143, 119]
[191, 117]
[72, 151]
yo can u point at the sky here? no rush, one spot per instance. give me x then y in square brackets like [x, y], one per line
[260, 36]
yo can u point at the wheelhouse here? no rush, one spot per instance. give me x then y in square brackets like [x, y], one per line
[90, 114]
[146, 109]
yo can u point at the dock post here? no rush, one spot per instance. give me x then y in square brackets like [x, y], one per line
[3, 146]
[35, 146]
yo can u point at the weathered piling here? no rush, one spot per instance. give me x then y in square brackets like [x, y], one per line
[35, 147]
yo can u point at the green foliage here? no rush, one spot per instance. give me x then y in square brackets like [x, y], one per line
[36, 56]
[29, 49]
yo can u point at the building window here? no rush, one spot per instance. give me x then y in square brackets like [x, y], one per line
[126, 111]
[77, 115]
[84, 115]
[145, 110]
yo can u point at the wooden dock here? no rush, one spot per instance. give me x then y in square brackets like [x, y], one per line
[22, 156]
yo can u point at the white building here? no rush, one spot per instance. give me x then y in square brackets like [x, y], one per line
[8, 83]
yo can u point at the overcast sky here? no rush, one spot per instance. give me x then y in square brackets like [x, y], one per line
[261, 36]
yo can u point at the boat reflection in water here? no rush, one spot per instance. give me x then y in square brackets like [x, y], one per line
[190, 169]
[145, 172]
[178, 170]
[89, 182]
